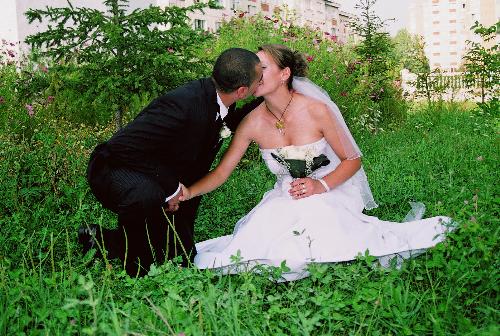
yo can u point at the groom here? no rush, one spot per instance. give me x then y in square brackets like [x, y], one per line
[137, 173]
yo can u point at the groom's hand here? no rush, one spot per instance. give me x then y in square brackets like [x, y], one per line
[173, 203]
[186, 194]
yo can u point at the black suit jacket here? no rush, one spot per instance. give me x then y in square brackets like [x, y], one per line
[174, 139]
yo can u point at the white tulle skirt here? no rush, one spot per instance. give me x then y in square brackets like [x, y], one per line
[324, 228]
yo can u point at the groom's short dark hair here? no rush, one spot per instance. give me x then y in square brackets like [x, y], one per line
[234, 68]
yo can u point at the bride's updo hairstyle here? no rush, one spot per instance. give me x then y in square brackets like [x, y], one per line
[285, 57]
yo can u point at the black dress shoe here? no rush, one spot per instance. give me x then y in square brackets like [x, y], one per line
[87, 237]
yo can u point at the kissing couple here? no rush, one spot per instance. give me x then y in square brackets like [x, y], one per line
[153, 172]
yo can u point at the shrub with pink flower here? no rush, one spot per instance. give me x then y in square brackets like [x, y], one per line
[30, 110]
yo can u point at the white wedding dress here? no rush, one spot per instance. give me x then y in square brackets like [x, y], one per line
[323, 228]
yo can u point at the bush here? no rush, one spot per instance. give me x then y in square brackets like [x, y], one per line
[365, 103]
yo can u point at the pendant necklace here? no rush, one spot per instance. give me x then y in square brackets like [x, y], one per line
[280, 123]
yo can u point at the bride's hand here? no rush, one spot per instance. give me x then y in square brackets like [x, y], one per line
[186, 194]
[305, 187]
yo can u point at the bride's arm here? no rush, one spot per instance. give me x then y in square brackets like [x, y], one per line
[346, 168]
[239, 144]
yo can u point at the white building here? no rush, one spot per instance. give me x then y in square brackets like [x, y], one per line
[325, 15]
[445, 27]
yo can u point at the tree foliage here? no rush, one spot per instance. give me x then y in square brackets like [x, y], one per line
[409, 52]
[114, 54]
[376, 47]
[482, 61]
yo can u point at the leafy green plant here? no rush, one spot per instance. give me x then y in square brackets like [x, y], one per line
[110, 56]
[482, 61]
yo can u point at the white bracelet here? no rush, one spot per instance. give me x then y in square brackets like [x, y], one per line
[323, 183]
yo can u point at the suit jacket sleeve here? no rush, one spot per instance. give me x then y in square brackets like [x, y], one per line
[146, 144]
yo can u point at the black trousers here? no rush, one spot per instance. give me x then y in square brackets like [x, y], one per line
[146, 234]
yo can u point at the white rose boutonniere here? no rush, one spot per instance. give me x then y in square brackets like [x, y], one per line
[225, 132]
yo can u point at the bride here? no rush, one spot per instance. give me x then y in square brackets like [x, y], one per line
[314, 212]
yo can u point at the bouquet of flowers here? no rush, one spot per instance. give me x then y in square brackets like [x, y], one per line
[299, 161]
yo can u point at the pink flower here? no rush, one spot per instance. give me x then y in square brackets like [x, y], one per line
[309, 58]
[50, 99]
[333, 38]
[30, 110]
[11, 53]
[286, 39]
[43, 68]
[170, 50]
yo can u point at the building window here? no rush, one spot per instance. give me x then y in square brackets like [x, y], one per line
[435, 12]
[436, 54]
[436, 43]
[437, 65]
[252, 10]
[453, 21]
[435, 1]
[435, 22]
[452, 10]
[453, 42]
[453, 53]
[264, 7]
[453, 31]
[199, 24]
[435, 33]
[234, 4]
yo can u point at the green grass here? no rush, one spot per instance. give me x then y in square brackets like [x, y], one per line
[444, 157]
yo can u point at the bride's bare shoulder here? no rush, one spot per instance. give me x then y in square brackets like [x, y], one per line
[254, 118]
[316, 108]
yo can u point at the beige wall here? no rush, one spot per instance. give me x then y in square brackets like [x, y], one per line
[445, 27]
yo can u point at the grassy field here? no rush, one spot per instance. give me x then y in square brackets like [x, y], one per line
[444, 157]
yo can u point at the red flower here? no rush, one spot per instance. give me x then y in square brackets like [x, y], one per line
[2, 100]
[50, 99]
[309, 58]
[343, 94]
[242, 14]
